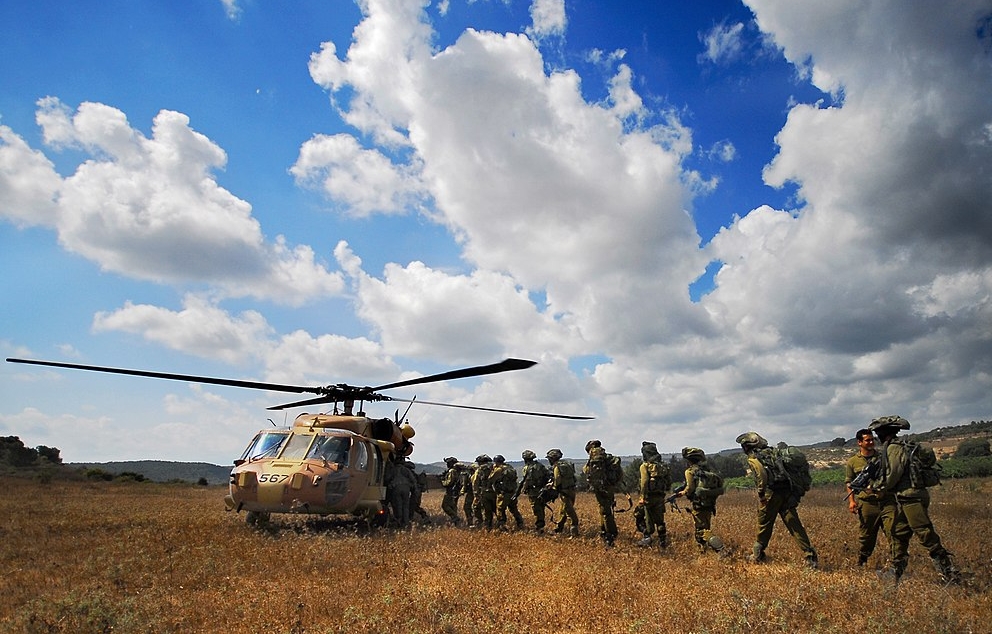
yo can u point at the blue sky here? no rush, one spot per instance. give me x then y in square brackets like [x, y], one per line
[700, 218]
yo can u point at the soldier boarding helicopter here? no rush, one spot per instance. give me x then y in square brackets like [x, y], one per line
[324, 464]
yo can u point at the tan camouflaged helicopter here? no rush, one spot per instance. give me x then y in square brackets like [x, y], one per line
[324, 464]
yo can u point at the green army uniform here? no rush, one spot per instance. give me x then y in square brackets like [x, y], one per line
[913, 516]
[484, 502]
[504, 481]
[702, 511]
[775, 500]
[452, 482]
[654, 483]
[876, 511]
[534, 478]
[467, 496]
[563, 480]
[604, 495]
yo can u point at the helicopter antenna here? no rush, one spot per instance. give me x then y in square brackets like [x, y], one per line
[407, 410]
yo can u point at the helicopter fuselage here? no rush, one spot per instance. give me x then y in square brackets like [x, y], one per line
[322, 465]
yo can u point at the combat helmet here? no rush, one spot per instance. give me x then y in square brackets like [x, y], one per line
[499, 459]
[896, 422]
[483, 459]
[593, 443]
[751, 440]
[528, 455]
[693, 454]
[554, 454]
[451, 461]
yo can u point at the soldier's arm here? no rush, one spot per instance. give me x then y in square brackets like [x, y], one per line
[690, 485]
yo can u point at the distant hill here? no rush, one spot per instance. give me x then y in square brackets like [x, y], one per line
[164, 471]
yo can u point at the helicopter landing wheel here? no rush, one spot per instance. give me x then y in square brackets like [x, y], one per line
[256, 518]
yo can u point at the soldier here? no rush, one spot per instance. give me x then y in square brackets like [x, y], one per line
[703, 503]
[533, 479]
[417, 494]
[595, 470]
[504, 481]
[656, 478]
[399, 490]
[484, 502]
[913, 502]
[468, 497]
[563, 480]
[874, 510]
[775, 499]
[451, 480]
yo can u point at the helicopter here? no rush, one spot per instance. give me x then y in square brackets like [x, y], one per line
[326, 463]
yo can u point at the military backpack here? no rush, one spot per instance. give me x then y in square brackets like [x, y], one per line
[924, 472]
[605, 472]
[659, 477]
[787, 468]
[564, 476]
[709, 485]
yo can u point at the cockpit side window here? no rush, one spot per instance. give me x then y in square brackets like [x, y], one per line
[330, 449]
[361, 455]
[297, 446]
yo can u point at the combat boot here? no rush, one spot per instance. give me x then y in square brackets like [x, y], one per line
[757, 555]
[644, 542]
[948, 571]
[573, 532]
[862, 560]
[812, 562]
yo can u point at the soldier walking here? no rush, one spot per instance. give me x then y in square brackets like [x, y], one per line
[563, 480]
[913, 501]
[875, 510]
[504, 481]
[451, 480]
[533, 479]
[775, 498]
[484, 502]
[595, 471]
[656, 478]
[702, 488]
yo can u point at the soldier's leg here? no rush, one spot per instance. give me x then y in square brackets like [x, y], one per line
[500, 510]
[656, 511]
[700, 525]
[515, 511]
[919, 522]
[869, 521]
[790, 517]
[539, 514]
[477, 510]
[767, 513]
[918, 517]
[467, 508]
[899, 533]
[488, 511]
[568, 510]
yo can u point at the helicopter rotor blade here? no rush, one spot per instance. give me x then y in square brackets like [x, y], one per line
[320, 400]
[493, 409]
[506, 365]
[255, 385]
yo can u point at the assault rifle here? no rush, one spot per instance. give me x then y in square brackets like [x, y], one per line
[864, 478]
[671, 499]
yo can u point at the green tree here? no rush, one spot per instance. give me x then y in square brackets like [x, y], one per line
[973, 448]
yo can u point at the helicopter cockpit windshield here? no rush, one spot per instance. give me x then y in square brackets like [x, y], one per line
[330, 449]
[265, 445]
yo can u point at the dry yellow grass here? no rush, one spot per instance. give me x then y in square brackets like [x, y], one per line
[105, 557]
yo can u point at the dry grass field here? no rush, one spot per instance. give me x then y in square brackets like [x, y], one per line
[128, 558]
